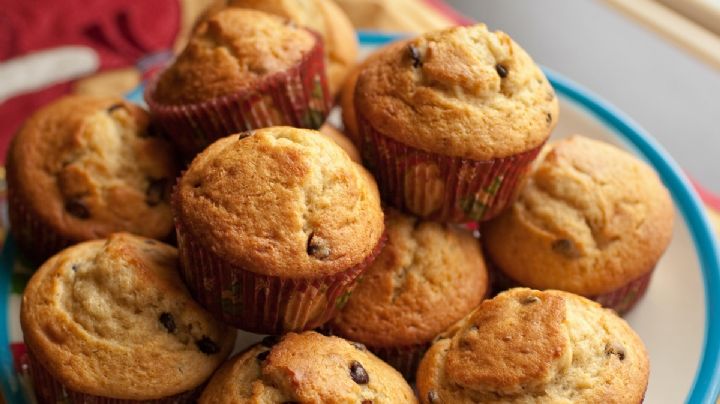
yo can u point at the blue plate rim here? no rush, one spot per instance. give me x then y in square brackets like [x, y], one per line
[706, 385]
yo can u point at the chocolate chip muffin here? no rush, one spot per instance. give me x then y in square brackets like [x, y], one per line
[323, 17]
[541, 347]
[110, 320]
[427, 277]
[242, 69]
[307, 368]
[274, 226]
[84, 167]
[450, 122]
[591, 219]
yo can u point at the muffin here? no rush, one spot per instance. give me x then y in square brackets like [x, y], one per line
[541, 347]
[451, 121]
[591, 220]
[274, 226]
[84, 167]
[323, 17]
[111, 321]
[307, 368]
[242, 69]
[427, 277]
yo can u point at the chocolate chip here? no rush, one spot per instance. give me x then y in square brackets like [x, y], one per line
[367, 402]
[317, 247]
[507, 338]
[359, 346]
[565, 247]
[358, 373]
[114, 107]
[75, 267]
[433, 397]
[501, 70]
[548, 118]
[207, 346]
[614, 348]
[270, 341]
[168, 321]
[529, 300]
[262, 355]
[415, 56]
[77, 208]
[155, 192]
[245, 134]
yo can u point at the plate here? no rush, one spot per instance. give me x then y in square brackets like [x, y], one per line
[679, 318]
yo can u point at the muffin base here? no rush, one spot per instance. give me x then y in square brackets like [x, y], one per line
[49, 390]
[36, 239]
[405, 359]
[622, 299]
[264, 304]
[440, 187]
[296, 97]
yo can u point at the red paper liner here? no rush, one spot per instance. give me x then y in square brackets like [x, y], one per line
[440, 187]
[622, 299]
[264, 304]
[296, 97]
[49, 390]
[36, 239]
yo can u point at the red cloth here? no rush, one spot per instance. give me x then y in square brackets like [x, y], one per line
[121, 32]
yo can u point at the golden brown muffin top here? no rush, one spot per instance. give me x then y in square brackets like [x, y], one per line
[541, 347]
[280, 201]
[322, 16]
[307, 368]
[91, 166]
[427, 277]
[462, 92]
[113, 318]
[230, 52]
[589, 219]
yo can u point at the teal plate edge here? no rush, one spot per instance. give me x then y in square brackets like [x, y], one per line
[706, 386]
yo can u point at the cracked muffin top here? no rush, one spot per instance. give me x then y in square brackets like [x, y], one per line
[463, 92]
[280, 201]
[542, 347]
[230, 52]
[90, 166]
[427, 277]
[589, 219]
[113, 318]
[322, 16]
[307, 368]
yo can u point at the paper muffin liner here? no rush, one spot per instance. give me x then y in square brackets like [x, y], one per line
[260, 303]
[36, 239]
[621, 299]
[296, 97]
[49, 390]
[439, 187]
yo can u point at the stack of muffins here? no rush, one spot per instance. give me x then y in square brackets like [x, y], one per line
[281, 231]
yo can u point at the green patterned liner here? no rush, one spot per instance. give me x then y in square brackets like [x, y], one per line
[438, 187]
[296, 97]
[259, 303]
